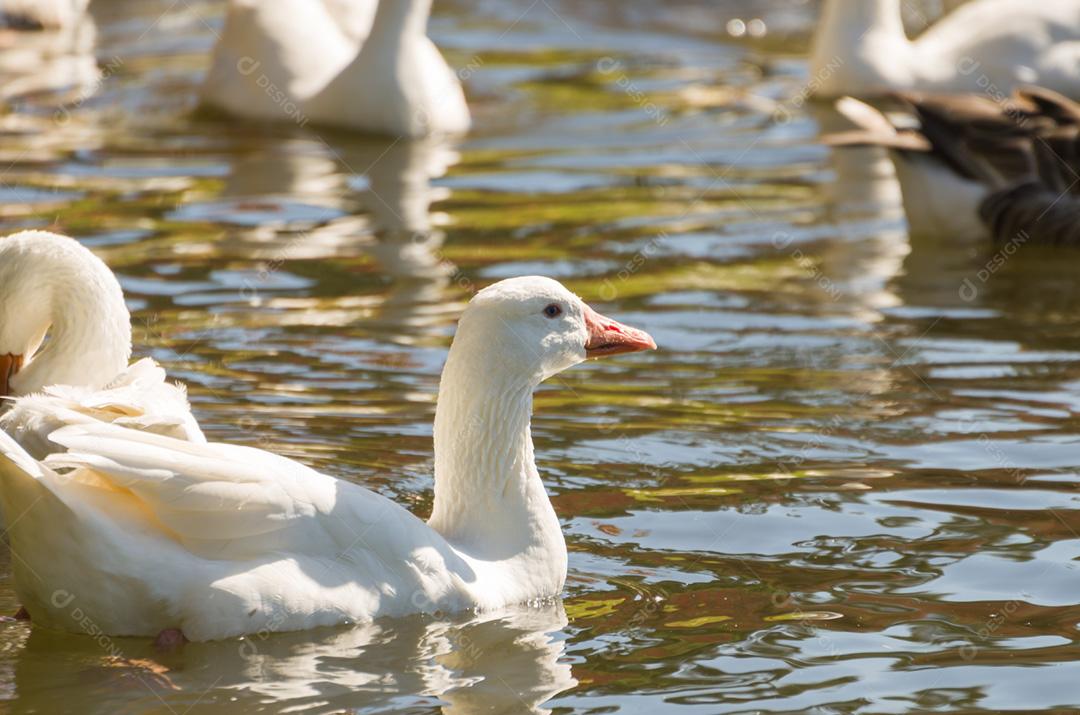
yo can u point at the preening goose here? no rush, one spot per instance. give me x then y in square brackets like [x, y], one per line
[985, 46]
[969, 166]
[163, 536]
[51, 286]
[294, 60]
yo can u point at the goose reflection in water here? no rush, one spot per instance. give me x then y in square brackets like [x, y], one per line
[340, 196]
[500, 662]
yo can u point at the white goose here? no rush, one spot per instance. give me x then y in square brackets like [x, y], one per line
[47, 14]
[985, 46]
[303, 61]
[354, 17]
[52, 285]
[209, 541]
[272, 55]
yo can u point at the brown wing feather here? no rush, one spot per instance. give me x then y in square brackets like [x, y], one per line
[1026, 149]
[1031, 213]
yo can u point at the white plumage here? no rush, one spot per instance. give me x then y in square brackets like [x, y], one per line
[984, 46]
[146, 533]
[52, 287]
[49, 14]
[304, 61]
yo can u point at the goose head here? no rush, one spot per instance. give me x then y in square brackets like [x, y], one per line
[62, 315]
[533, 327]
[488, 494]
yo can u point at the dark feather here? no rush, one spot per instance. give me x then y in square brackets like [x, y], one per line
[1024, 149]
[1032, 213]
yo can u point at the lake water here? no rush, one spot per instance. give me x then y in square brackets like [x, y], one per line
[846, 483]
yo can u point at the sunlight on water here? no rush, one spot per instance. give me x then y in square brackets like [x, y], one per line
[846, 481]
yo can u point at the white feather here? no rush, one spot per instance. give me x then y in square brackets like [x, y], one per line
[984, 46]
[50, 284]
[135, 532]
[303, 61]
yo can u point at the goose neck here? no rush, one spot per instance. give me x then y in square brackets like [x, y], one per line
[489, 498]
[855, 19]
[860, 48]
[400, 18]
[87, 324]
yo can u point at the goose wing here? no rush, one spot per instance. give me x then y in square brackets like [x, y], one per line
[232, 502]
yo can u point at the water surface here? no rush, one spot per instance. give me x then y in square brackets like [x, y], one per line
[846, 483]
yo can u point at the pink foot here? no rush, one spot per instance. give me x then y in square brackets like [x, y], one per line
[170, 639]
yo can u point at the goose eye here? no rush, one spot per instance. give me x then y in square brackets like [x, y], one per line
[553, 310]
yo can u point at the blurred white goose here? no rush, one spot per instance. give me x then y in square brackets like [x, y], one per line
[272, 55]
[296, 60]
[51, 285]
[209, 541]
[48, 14]
[399, 83]
[55, 53]
[354, 17]
[988, 46]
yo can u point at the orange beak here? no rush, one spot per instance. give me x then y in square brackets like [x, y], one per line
[9, 366]
[610, 337]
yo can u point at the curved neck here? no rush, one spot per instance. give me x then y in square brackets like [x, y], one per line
[89, 327]
[861, 17]
[489, 500]
[860, 47]
[395, 19]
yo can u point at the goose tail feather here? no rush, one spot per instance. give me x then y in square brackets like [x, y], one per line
[23, 481]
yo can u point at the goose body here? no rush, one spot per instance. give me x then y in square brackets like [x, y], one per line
[398, 84]
[220, 540]
[336, 64]
[984, 46]
[271, 57]
[972, 167]
[353, 17]
[51, 285]
[42, 14]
